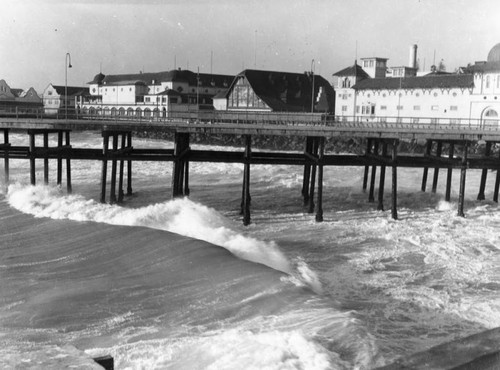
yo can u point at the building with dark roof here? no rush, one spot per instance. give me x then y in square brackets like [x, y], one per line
[153, 94]
[272, 91]
[19, 100]
[57, 98]
[470, 95]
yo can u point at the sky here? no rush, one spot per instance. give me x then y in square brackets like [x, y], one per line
[228, 36]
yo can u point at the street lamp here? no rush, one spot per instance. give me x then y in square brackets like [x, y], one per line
[67, 64]
[312, 94]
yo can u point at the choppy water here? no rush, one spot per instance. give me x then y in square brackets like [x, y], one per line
[181, 284]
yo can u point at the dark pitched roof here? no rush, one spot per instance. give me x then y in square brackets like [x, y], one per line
[482, 67]
[422, 82]
[72, 90]
[176, 75]
[354, 70]
[285, 91]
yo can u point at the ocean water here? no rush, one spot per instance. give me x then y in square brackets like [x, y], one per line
[182, 284]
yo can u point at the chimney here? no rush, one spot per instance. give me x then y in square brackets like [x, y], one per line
[413, 56]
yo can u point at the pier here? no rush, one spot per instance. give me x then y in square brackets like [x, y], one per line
[446, 148]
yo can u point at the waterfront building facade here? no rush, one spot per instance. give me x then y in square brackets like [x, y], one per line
[59, 99]
[18, 100]
[272, 91]
[152, 95]
[469, 96]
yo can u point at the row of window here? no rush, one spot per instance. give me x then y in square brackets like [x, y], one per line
[370, 109]
[487, 83]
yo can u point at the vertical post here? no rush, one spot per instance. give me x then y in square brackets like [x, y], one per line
[436, 169]
[246, 198]
[314, 147]
[6, 157]
[380, 206]
[449, 175]
[394, 210]
[426, 169]
[175, 169]
[367, 168]
[104, 165]
[112, 195]
[463, 171]
[484, 173]
[122, 164]
[307, 173]
[371, 197]
[59, 157]
[129, 165]
[319, 212]
[32, 159]
[69, 188]
[497, 184]
[186, 178]
[46, 158]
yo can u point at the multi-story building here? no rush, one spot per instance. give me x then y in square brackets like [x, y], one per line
[470, 96]
[271, 91]
[152, 94]
[19, 100]
[62, 99]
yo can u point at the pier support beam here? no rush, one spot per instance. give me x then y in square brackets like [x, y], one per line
[315, 145]
[46, 159]
[450, 171]
[307, 172]
[484, 173]
[6, 146]
[122, 165]
[129, 165]
[463, 171]
[394, 210]
[428, 149]
[120, 147]
[436, 169]
[104, 166]
[371, 197]
[380, 205]
[181, 151]
[69, 188]
[497, 183]
[319, 211]
[367, 168]
[246, 181]
[112, 195]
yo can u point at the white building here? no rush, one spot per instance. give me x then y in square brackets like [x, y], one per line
[152, 94]
[469, 97]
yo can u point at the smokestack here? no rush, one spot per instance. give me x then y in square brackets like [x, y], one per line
[413, 56]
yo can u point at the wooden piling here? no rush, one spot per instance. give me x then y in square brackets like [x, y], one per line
[246, 175]
[307, 171]
[314, 148]
[497, 183]
[129, 165]
[367, 168]
[186, 178]
[319, 211]
[371, 197]
[450, 171]
[428, 149]
[6, 156]
[394, 210]
[32, 159]
[59, 157]
[104, 169]
[112, 195]
[46, 159]
[122, 165]
[436, 169]
[380, 206]
[69, 188]
[463, 171]
[484, 173]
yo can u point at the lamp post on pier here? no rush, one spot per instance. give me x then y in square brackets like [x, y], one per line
[67, 64]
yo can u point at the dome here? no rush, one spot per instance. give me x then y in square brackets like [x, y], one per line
[494, 54]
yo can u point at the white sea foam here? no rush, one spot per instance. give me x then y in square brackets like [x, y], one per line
[180, 216]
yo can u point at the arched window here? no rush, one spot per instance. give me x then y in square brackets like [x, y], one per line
[121, 111]
[113, 111]
[130, 112]
[490, 119]
[491, 113]
[147, 112]
[156, 112]
[106, 111]
[138, 112]
[91, 111]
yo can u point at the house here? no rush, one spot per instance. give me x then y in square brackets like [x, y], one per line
[469, 96]
[272, 91]
[19, 100]
[156, 94]
[62, 99]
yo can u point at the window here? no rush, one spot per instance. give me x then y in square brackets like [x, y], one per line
[344, 108]
[416, 107]
[454, 108]
[399, 107]
[498, 81]
[487, 82]
[48, 93]
[383, 107]
[147, 99]
[435, 107]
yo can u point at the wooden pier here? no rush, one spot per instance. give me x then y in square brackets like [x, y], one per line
[382, 143]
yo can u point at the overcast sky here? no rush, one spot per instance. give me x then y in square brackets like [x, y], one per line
[227, 36]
